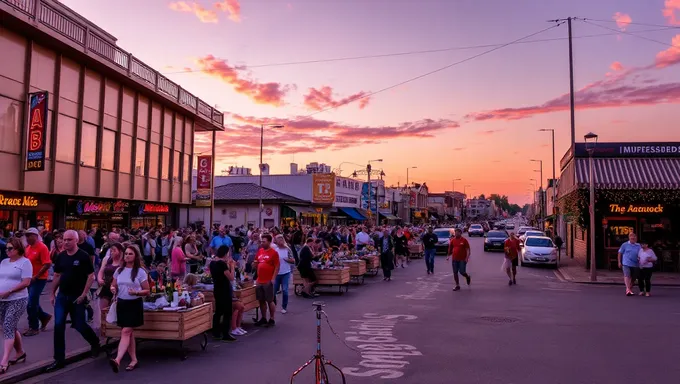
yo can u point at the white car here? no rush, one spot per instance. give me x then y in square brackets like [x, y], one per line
[539, 251]
[476, 230]
[523, 229]
[531, 232]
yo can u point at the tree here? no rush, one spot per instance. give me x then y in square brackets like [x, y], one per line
[525, 209]
[482, 197]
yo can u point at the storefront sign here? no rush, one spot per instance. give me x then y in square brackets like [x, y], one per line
[671, 149]
[346, 199]
[153, 208]
[632, 208]
[84, 207]
[412, 199]
[21, 201]
[37, 131]
[268, 211]
[204, 182]
[323, 188]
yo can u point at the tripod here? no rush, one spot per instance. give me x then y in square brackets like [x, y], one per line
[318, 359]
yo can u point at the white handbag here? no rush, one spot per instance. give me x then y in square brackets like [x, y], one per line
[112, 316]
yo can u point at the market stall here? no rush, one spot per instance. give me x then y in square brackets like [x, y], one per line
[357, 270]
[372, 264]
[416, 250]
[336, 276]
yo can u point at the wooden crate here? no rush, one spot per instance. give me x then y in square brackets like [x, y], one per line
[326, 276]
[356, 268]
[167, 325]
[247, 297]
[209, 296]
[372, 262]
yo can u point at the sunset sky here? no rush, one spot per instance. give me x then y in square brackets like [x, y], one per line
[477, 121]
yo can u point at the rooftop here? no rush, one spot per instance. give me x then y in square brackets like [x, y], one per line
[249, 192]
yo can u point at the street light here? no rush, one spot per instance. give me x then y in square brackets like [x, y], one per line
[453, 189]
[540, 202]
[591, 141]
[407, 173]
[368, 172]
[339, 168]
[275, 126]
[554, 187]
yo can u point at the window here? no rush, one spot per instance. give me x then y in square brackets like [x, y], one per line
[176, 166]
[88, 145]
[140, 151]
[153, 161]
[66, 143]
[108, 150]
[125, 153]
[165, 174]
[185, 173]
[10, 125]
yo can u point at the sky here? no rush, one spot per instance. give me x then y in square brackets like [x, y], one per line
[478, 95]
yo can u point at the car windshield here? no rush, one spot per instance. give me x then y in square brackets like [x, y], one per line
[476, 226]
[534, 233]
[539, 242]
[443, 233]
[496, 234]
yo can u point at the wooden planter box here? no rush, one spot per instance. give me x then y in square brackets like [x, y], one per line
[167, 325]
[247, 297]
[372, 262]
[326, 276]
[356, 268]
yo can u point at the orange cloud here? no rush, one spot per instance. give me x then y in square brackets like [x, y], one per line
[205, 15]
[671, 11]
[616, 66]
[670, 56]
[233, 7]
[261, 93]
[622, 20]
[320, 99]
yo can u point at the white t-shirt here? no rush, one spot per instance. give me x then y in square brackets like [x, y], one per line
[284, 266]
[647, 258]
[363, 238]
[125, 283]
[11, 274]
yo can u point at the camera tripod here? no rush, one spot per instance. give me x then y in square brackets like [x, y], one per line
[318, 359]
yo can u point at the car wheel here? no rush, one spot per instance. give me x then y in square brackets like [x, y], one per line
[486, 249]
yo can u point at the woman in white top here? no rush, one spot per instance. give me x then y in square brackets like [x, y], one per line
[282, 280]
[131, 284]
[647, 258]
[15, 277]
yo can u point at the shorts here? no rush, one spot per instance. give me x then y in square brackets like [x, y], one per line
[265, 292]
[632, 272]
[459, 267]
[515, 261]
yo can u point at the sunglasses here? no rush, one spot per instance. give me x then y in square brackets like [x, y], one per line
[8, 248]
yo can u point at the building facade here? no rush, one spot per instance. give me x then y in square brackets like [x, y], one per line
[112, 137]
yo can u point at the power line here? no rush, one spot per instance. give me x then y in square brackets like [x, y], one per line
[408, 53]
[632, 23]
[627, 33]
[370, 94]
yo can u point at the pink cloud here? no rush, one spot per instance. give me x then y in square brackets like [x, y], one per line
[320, 99]
[204, 15]
[616, 66]
[490, 132]
[271, 93]
[670, 56]
[671, 11]
[233, 7]
[622, 20]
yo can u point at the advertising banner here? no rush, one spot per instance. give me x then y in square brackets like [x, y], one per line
[204, 181]
[37, 120]
[323, 188]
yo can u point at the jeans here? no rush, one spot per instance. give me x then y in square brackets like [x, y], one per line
[645, 280]
[429, 259]
[65, 305]
[282, 283]
[35, 313]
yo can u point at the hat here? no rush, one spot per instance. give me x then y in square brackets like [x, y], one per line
[32, 231]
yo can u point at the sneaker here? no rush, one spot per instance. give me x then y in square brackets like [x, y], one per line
[261, 323]
[456, 288]
[243, 331]
[235, 332]
[514, 281]
[642, 294]
[271, 323]
[647, 294]
[510, 282]
[467, 279]
[31, 332]
[428, 272]
[95, 350]
[229, 339]
[284, 311]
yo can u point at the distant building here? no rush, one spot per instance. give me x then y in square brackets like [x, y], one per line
[318, 168]
[481, 209]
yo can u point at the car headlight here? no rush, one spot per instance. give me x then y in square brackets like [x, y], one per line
[528, 253]
[487, 240]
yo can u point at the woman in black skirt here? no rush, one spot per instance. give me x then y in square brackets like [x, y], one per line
[131, 285]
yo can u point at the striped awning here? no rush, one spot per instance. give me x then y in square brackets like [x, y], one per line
[629, 173]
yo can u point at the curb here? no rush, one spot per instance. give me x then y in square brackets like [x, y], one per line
[621, 284]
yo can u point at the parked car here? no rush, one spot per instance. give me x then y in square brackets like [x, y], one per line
[531, 232]
[495, 240]
[476, 230]
[443, 237]
[522, 230]
[539, 251]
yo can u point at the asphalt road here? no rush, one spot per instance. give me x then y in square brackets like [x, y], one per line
[415, 329]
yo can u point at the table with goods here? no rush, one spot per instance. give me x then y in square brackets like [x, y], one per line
[330, 272]
[361, 263]
[170, 314]
[243, 290]
[416, 250]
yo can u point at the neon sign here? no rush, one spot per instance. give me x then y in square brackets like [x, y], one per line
[86, 207]
[631, 208]
[153, 208]
[23, 201]
[35, 146]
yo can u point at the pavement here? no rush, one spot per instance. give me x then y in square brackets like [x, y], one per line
[415, 329]
[572, 271]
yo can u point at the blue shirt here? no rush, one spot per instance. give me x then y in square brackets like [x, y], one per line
[219, 241]
[629, 254]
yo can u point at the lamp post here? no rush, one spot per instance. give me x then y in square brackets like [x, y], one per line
[540, 202]
[465, 197]
[368, 171]
[453, 189]
[407, 174]
[339, 168]
[591, 141]
[534, 193]
[275, 126]
[554, 187]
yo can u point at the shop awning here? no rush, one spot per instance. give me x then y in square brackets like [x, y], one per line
[388, 215]
[301, 210]
[363, 212]
[352, 212]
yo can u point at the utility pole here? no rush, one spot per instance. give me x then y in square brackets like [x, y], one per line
[571, 78]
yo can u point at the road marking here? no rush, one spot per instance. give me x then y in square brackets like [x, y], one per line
[561, 289]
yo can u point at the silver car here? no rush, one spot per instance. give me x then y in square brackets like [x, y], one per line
[538, 250]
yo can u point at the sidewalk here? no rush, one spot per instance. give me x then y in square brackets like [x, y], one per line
[39, 349]
[572, 271]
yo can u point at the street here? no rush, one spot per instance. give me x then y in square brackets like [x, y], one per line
[539, 331]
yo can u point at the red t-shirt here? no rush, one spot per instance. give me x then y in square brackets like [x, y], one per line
[511, 248]
[39, 255]
[407, 234]
[458, 248]
[267, 262]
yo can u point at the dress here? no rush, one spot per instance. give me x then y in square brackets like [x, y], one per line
[109, 270]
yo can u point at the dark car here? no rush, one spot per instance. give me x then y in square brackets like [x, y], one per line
[443, 236]
[495, 241]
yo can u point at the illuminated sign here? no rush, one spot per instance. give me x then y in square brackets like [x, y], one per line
[88, 207]
[35, 146]
[631, 208]
[22, 201]
[622, 230]
[153, 208]
[204, 181]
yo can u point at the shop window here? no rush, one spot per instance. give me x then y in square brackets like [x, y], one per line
[165, 174]
[176, 166]
[140, 151]
[66, 142]
[126, 153]
[617, 232]
[167, 125]
[185, 173]
[88, 145]
[153, 161]
[108, 150]
[10, 125]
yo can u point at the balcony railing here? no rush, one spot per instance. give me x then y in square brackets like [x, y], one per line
[45, 13]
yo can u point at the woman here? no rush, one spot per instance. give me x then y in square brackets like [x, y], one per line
[131, 285]
[282, 280]
[305, 268]
[222, 275]
[386, 247]
[192, 253]
[57, 245]
[105, 276]
[250, 252]
[16, 272]
[400, 247]
[178, 260]
[237, 306]
[647, 259]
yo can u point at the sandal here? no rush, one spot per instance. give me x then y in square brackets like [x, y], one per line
[114, 365]
[3, 369]
[132, 367]
[20, 359]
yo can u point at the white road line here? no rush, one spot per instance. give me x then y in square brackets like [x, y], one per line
[561, 289]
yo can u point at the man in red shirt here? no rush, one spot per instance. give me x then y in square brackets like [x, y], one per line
[39, 256]
[267, 264]
[512, 250]
[459, 250]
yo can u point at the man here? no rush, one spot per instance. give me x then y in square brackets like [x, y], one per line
[512, 249]
[220, 240]
[363, 239]
[267, 264]
[89, 249]
[39, 256]
[73, 277]
[459, 251]
[386, 247]
[430, 242]
[629, 261]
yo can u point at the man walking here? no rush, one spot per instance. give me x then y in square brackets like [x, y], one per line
[430, 242]
[267, 265]
[39, 256]
[459, 251]
[629, 261]
[512, 249]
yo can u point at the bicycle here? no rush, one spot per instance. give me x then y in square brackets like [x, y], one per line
[319, 359]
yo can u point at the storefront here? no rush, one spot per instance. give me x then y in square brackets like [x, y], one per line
[345, 216]
[20, 211]
[109, 214]
[148, 215]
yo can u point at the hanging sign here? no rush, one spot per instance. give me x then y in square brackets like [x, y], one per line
[632, 208]
[323, 188]
[37, 131]
[204, 182]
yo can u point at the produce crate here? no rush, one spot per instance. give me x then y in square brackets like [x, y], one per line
[357, 270]
[247, 297]
[325, 277]
[372, 262]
